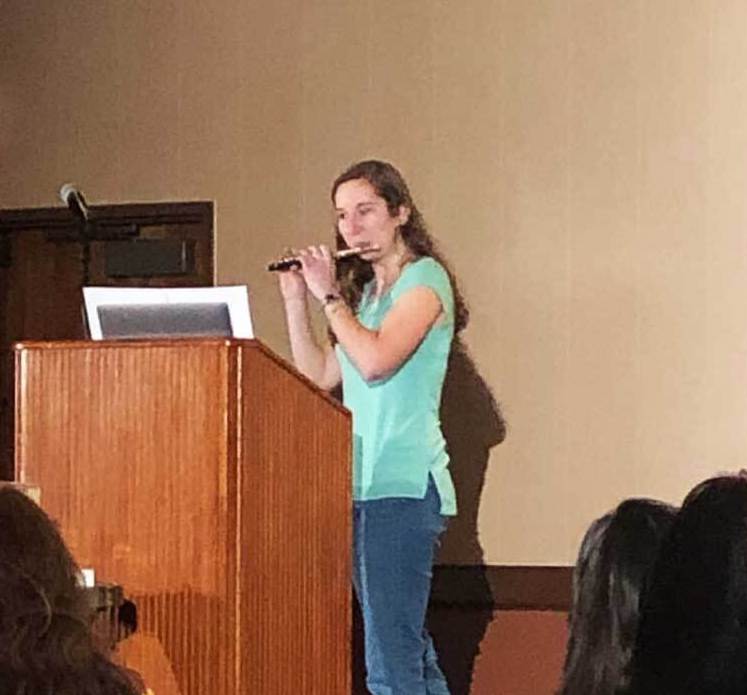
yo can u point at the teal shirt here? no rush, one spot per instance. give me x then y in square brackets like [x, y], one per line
[396, 427]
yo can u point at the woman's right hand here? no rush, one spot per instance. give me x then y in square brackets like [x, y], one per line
[292, 284]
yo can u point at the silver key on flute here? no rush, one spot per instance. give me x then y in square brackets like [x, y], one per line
[295, 262]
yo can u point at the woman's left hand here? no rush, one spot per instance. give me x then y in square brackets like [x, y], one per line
[318, 269]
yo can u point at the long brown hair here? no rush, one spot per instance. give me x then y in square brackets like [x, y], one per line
[46, 640]
[610, 579]
[353, 273]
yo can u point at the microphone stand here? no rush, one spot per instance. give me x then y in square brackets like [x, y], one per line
[91, 227]
[86, 233]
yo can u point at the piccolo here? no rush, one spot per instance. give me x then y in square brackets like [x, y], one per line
[288, 262]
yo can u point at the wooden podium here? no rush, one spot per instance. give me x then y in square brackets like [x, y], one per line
[212, 482]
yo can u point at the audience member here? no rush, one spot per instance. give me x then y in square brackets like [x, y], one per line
[615, 557]
[46, 642]
[693, 632]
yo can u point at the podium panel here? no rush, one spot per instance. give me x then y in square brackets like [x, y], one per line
[211, 481]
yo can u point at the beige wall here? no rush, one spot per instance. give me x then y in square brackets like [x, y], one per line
[582, 162]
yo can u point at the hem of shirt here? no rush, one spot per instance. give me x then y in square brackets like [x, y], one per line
[446, 508]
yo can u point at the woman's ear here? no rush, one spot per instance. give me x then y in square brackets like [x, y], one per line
[404, 215]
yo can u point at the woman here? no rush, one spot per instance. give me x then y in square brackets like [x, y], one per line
[692, 638]
[46, 642]
[614, 562]
[392, 314]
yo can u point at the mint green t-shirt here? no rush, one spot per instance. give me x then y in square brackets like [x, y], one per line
[397, 434]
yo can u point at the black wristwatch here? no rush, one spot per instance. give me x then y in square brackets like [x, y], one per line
[330, 299]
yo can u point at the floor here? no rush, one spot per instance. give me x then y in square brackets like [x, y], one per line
[486, 652]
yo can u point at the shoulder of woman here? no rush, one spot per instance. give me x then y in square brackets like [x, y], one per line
[425, 267]
[425, 262]
[425, 271]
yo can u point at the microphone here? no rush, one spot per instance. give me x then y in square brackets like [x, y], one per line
[74, 199]
[289, 262]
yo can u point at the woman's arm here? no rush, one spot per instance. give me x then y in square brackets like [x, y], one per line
[314, 361]
[376, 353]
[379, 353]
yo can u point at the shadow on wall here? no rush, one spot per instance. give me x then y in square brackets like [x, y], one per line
[472, 424]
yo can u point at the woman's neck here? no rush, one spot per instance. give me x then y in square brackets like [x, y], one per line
[388, 268]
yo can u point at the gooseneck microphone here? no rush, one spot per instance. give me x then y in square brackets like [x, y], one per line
[288, 262]
[73, 198]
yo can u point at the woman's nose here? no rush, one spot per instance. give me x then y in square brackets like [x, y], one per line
[353, 226]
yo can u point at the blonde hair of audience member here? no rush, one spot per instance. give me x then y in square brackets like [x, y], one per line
[615, 557]
[46, 642]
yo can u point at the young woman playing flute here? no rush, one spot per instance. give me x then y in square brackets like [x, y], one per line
[392, 311]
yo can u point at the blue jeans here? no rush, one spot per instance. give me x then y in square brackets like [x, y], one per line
[394, 540]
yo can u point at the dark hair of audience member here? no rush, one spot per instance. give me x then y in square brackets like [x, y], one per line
[693, 634]
[46, 642]
[614, 560]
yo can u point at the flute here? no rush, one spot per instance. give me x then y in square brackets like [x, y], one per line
[288, 262]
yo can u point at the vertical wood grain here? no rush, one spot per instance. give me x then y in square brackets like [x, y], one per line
[297, 512]
[171, 468]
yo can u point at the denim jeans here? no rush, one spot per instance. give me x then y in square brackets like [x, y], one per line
[393, 545]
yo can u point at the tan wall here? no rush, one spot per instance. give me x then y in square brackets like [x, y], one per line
[583, 164]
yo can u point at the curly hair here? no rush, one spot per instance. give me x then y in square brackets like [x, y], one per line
[46, 642]
[616, 556]
[353, 273]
